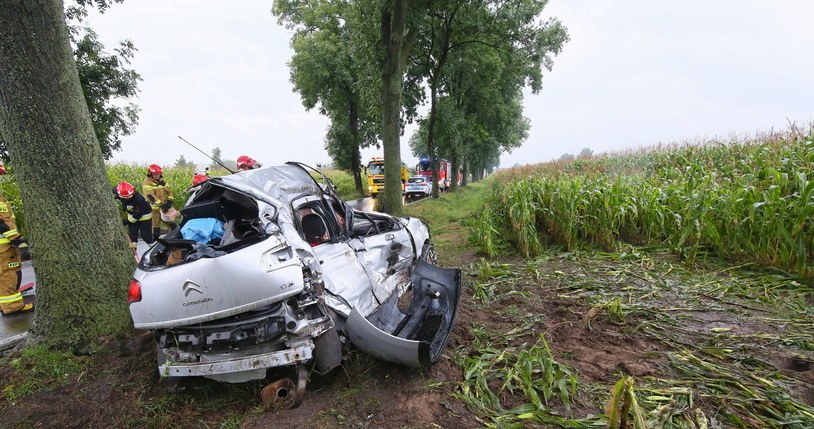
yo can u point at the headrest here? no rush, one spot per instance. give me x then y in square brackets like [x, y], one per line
[314, 228]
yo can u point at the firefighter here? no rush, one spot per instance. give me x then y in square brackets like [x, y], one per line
[199, 178]
[11, 242]
[244, 163]
[160, 195]
[139, 213]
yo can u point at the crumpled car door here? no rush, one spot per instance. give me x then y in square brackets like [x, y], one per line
[387, 257]
[347, 277]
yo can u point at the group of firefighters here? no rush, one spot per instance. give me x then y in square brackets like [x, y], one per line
[144, 216]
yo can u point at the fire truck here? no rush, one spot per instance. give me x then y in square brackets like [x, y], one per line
[375, 176]
[424, 168]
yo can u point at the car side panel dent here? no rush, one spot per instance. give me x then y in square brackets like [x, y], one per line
[347, 278]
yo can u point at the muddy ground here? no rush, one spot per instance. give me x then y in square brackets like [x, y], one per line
[667, 310]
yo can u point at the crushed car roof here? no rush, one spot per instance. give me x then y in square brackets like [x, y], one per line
[282, 182]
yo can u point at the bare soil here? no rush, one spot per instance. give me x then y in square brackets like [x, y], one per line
[121, 387]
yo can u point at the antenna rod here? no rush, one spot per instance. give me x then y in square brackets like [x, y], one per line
[213, 159]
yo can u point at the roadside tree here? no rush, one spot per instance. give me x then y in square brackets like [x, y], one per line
[519, 39]
[83, 261]
[327, 72]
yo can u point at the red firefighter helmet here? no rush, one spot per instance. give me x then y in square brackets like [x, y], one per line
[125, 190]
[154, 169]
[2, 169]
[199, 178]
[245, 161]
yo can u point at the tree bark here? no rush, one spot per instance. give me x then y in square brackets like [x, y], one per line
[81, 256]
[391, 65]
[453, 162]
[431, 140]
[356, 167]
[465, 173]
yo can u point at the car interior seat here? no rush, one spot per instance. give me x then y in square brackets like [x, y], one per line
[313, 228]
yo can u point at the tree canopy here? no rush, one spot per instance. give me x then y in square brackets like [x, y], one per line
[468, 59]
[105, 78]
[328, 73]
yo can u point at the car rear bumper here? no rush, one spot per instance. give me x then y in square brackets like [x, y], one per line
[301, 353]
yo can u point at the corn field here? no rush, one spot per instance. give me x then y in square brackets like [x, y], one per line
[750, 202]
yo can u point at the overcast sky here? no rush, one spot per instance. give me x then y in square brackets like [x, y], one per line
[635, 73]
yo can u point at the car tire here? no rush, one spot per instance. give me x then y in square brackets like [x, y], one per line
[428, 254]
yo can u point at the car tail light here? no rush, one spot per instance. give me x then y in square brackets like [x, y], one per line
[134, 294]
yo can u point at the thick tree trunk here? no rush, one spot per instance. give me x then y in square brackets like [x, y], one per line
[81, 256]
[356, 167]
[431, 140]
[453, 162]
[465, 173]
[390, 199]
[392, 62]
[435, 79]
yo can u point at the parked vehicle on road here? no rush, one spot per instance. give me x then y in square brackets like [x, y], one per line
[424, 168]
[418, 186]
[375, 176]
[269, 268]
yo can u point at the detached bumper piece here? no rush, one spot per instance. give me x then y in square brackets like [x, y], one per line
[239, 369]
[415, 337]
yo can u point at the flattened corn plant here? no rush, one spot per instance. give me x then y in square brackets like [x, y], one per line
[495, 370]
[721, 371]
[750, 202]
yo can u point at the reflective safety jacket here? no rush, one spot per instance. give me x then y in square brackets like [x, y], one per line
[8, 225]
[156, 191]
[137, 207]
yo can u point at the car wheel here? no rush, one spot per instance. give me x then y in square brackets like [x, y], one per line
[428, 254]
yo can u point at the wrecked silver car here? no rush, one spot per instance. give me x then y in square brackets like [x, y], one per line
[294, 276]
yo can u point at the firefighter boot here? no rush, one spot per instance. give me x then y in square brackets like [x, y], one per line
[25, 309]
[156, 233]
